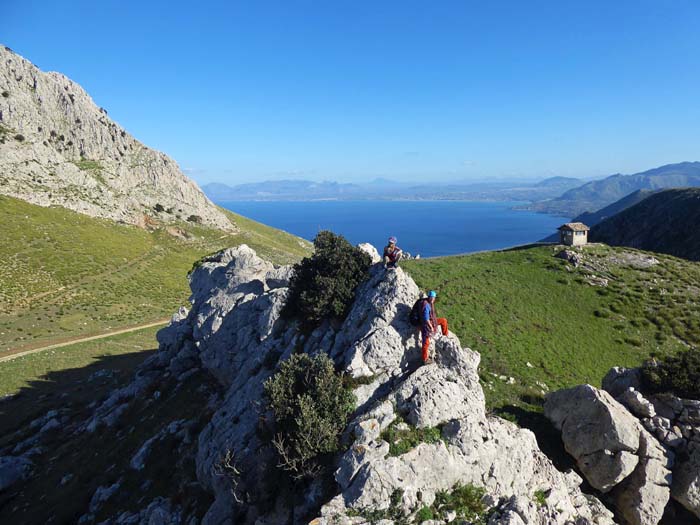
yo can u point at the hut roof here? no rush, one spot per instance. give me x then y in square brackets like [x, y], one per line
[574, 227]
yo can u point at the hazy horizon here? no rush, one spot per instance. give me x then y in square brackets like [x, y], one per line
[402, 90]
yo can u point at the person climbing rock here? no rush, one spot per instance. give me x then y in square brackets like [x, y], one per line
[430, 324]
[392, 254]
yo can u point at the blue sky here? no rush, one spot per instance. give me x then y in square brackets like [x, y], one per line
[352, 90]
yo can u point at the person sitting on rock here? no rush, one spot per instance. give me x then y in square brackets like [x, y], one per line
[392, 254]
[430, 324]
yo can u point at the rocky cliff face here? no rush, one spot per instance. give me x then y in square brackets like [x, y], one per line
[58, 148]
[234, 334]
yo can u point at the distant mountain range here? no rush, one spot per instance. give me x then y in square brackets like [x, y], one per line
[665, 222]
[280, 190]
[385, 189]
[598, 194]
[593, 218]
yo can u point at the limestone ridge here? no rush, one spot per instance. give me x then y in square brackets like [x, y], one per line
[58, 148]
[234, 332]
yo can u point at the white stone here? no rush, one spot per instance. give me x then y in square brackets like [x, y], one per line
[371, 251]
[594, 425]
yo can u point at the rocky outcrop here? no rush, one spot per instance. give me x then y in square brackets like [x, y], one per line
[641, 450]
[233, 334]
[686, 480]
[613, 451]
[58, 148]
[371, 251]
[234, 331]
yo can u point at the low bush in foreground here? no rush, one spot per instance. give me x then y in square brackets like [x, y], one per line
[403, 437]
[464, 500]
[678, 374]
[311, 407]
[323, 285]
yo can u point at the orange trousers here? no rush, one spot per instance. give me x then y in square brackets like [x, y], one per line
[442, 323]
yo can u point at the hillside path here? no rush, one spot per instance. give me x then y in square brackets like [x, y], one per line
[84, 339]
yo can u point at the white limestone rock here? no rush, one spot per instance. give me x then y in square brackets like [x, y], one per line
[61, 128]
[371, 251]
[234, 332]
[643, 496]
[618, 379]
[636, 403]
[597, 431]
[614, 451]
[686, 481]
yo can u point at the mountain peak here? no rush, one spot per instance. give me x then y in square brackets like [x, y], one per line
[57, 147]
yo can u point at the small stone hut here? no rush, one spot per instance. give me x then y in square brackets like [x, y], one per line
[573, 234]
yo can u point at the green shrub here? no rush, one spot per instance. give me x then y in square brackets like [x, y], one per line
[425, 514]
[540, 498]
[323, 285]
[19, 137]
[195, 219]
[465, 500]
[311, 407]
[401, 440]
[678, 374]
[87, 164]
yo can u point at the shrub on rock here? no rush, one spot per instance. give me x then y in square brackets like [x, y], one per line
[678, 374]
[311, 407]
[323, 285]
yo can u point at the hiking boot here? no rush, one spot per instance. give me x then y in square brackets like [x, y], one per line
[430, 361]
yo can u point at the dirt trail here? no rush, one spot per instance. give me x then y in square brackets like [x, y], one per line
[83, 340]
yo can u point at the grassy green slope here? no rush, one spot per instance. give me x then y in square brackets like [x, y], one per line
[63, 274]
[525, 306]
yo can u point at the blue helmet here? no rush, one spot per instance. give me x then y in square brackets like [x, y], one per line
[432, 293]
[392, 240]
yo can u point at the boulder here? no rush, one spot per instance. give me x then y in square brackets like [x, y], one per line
[570, 256]
[636, 403]
[371, 251]
[618, 379]
[685, 488]
[12, 470]
[597, 431]
[643, 496]
[614, 451]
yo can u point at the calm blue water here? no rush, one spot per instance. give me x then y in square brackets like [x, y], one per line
[428, 228]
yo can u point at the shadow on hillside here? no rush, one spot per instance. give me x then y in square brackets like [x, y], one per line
[71, 390]
[528, 246]
[69, 464]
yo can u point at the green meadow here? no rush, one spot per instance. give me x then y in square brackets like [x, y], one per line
[540, 321]
[65, 275]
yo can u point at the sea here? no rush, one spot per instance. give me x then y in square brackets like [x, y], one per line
[425, 228]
